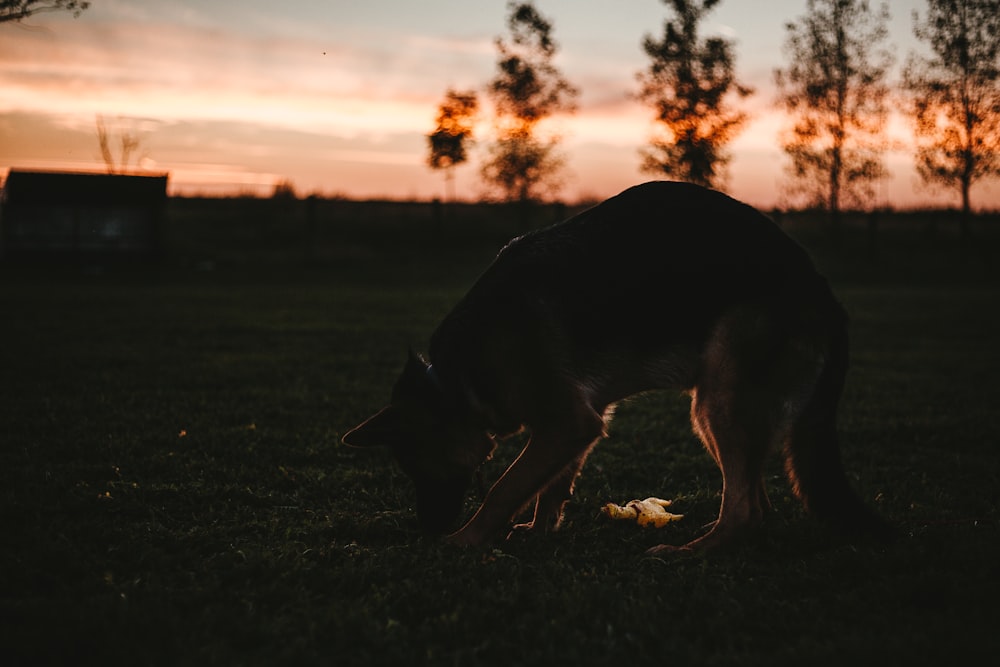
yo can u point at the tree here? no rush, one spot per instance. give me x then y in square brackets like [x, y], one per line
[284, 190]
[18, 10]
[835, 91]
[955, 95]
[689, 82]
[453, 130]
[527, 89]
[129, 141]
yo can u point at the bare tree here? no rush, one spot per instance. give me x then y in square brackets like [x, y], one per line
[954, 95]
[689, 82]
[835, 91]
[18, 10]
[128, 142]
[453, 130]
[527, 89]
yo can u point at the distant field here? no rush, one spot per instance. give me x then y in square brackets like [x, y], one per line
[174, 490]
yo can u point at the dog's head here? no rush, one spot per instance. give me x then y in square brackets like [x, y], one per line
[432, 439]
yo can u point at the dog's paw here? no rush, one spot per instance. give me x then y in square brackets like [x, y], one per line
[520, 531]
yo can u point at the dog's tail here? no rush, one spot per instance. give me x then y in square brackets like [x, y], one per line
[812, 450]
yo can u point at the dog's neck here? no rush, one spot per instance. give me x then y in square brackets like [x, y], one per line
[460, 395]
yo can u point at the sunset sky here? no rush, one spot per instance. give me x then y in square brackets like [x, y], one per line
[337, 96]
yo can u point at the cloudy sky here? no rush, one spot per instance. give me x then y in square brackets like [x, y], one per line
[336, 96]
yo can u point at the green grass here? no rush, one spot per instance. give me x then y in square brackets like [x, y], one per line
[174, 492]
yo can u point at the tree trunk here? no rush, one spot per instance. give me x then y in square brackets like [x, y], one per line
[965, 218]
[834, 202]
[449, 183]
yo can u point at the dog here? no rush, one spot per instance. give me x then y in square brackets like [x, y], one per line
[667, 285]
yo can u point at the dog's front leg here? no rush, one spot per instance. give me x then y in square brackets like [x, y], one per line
[549, 506]
[544, 460]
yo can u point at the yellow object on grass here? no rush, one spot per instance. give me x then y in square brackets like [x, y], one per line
[648, 512]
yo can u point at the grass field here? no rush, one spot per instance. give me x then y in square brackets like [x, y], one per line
[174, 492]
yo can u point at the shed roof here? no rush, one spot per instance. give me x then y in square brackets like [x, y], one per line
[69, 188]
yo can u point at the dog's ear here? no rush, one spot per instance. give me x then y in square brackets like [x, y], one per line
[383, 429]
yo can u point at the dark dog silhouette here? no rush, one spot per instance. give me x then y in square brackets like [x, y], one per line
[667, 285]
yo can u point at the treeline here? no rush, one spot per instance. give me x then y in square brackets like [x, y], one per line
[412, 225]
[834, 89]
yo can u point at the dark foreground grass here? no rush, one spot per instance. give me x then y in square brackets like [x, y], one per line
[174, 492]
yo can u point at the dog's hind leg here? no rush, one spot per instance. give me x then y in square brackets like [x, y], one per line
[734, 431]
[701, 423]
[545, 469]
[732, 408]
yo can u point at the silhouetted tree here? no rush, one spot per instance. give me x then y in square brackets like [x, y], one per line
[129, 141]
[527, 89]
[18, 10]
[452, 132]
[521, 165]
[955, 95]
[284, 190]
[688, 83]
[835, 91]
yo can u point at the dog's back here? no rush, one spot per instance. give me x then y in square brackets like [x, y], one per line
[642, 276]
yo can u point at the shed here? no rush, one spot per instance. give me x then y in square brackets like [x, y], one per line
[64, 213]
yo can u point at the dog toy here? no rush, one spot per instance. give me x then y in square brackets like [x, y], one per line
[648, 512]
